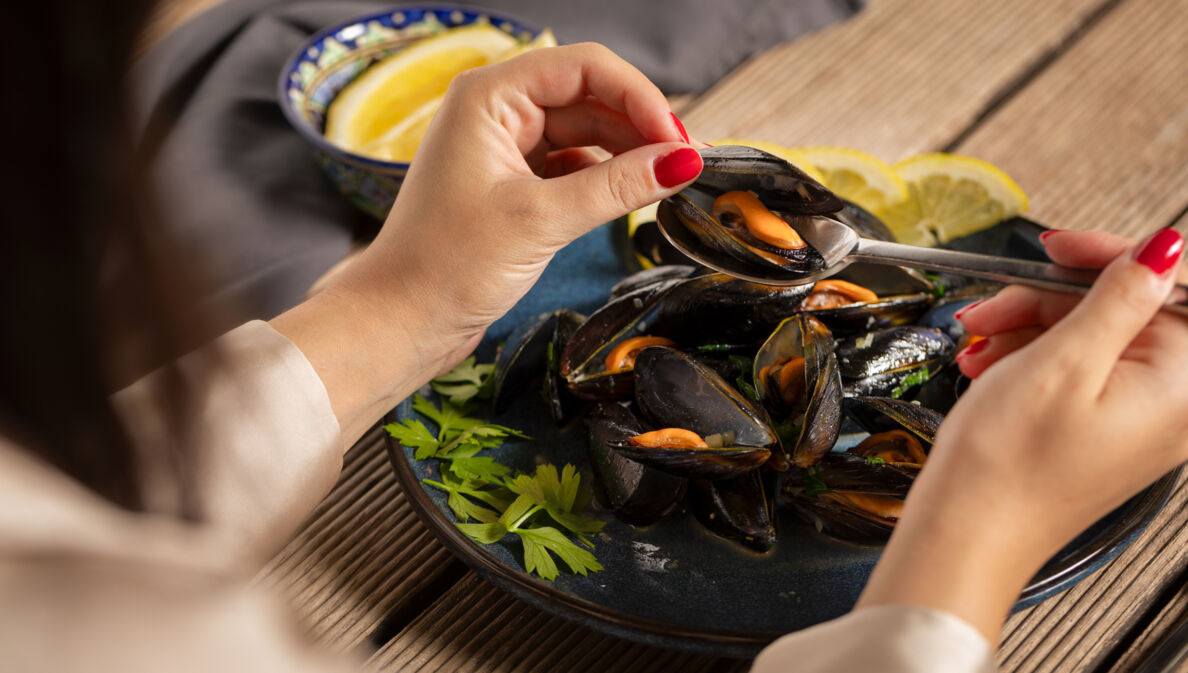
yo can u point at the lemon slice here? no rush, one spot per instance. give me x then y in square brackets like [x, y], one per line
[856, 176]
[406, 84]
[950, 196]
[543, 40]
[792, 156]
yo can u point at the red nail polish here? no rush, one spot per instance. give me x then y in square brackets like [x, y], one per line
[680, 127]
[677, 167]
[964, 309]
[974, 348]
[1161, 251]
[1044, 236]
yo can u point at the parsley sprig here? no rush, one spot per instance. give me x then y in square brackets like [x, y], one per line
[490, 502]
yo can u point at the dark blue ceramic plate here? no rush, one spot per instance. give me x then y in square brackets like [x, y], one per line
[673, 584]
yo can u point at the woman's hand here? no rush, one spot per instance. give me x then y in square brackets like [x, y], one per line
[504, 178]
[1076, 405]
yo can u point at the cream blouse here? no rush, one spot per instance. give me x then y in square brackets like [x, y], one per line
[86, 586]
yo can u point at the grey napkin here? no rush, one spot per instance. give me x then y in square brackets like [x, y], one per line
[240, 189]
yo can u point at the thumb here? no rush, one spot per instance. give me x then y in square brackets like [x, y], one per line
[1127, 295]
[599, 193]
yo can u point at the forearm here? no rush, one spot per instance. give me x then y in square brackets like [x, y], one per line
[369, 351]
[954, 551]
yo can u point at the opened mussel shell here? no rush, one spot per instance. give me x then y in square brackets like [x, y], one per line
[882, 414]
[804, 343]
[737, 509]
[530, 352]
[637, 494]
[673, 391]
[902, 296]
[724, 240]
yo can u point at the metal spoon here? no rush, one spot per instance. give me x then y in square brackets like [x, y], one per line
[840, 246]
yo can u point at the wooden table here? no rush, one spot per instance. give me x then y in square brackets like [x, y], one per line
[1083, 102]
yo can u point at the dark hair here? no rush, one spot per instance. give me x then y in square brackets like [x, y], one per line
[88, 300]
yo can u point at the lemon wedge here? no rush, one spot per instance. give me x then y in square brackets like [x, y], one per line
[788, 154]
[404, 90]
[950, 196]
[856, 176]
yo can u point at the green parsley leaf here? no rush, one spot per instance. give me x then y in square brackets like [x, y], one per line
[875, 460]
[483, 468]
[558, 496]
[464, 382]
[413, 434]
[539, 541]
[483, 533]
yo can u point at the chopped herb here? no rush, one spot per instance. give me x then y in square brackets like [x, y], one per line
[743, 382]
[480, 489]
[716, 347]
[788, 430]
[938, 285]
[553, 365]
[917, 377]
[875, 460]
[814, 484]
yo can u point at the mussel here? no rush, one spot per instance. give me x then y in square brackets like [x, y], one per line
[737, 509]
[867, 296]
[701, 426]
[741, 214]
[796, 375]
[533, 350]
[637, 494]
[892, 361]
[857, 495]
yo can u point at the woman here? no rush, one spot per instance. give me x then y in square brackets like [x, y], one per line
[130, 523]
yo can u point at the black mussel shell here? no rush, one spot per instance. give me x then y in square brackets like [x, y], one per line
[943, 314]
[819, 411]
[904, 295]
[839, 520]
[943, 388]
[880, 414]
[720, 463]
[840, 471]
[883, 362]
[524, 357]
[737, 509]
[563, 406]
[717, 308]
[673, 390]
[653, 276]
[636, 493]
[583, 359]
[780, 185]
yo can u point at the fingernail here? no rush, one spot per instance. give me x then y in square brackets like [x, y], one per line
[1044, 236]
[679, 126]
[964, 309]
[1161, 252]
[677, 167]
[974, 348]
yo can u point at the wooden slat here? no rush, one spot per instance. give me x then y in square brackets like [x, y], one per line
[1100, 139]
[478, 627]
[898, 79]
[362, 555]
[1079, 629]
[1152, 637]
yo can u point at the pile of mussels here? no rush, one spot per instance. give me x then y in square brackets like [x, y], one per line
[730, 396]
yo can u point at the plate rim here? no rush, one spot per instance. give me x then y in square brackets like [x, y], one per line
[722, 642]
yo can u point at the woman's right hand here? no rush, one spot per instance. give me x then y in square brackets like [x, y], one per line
[1076, 405]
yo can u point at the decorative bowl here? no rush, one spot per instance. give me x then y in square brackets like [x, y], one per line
[331, 59]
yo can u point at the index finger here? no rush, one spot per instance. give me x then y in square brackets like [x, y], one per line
[563, 76]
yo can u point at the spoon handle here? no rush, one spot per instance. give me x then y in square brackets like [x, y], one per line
[1001, 269]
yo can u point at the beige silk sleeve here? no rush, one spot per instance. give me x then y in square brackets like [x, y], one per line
[265, 439]
[885, 638]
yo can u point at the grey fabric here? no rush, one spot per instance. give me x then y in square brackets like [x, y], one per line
[240, 188]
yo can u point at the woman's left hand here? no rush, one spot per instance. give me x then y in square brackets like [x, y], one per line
[504, 178]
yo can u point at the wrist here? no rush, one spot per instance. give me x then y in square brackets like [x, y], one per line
[958, 554]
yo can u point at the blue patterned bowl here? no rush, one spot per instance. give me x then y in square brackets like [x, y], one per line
[333, 58]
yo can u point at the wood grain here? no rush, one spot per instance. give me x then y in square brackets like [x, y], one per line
[898, 79]
[362, 556]
[478, 627]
